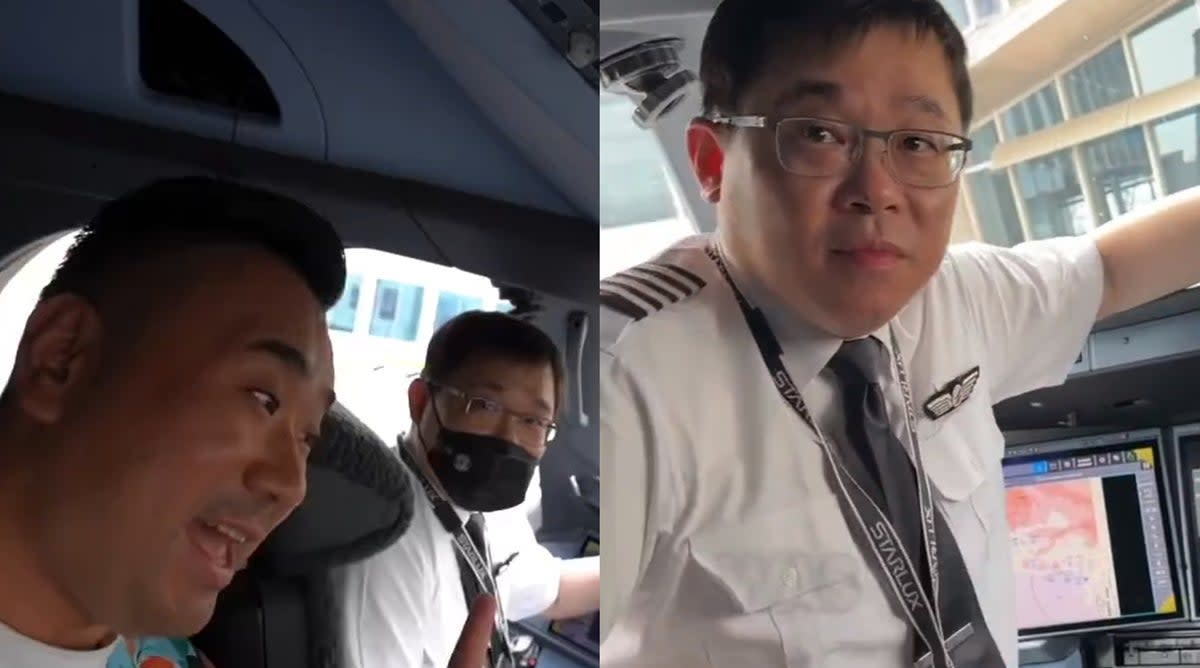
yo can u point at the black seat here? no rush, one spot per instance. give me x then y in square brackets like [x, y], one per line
[281, 612]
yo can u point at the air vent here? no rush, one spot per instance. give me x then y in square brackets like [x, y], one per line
[184, 55]
[572, 27]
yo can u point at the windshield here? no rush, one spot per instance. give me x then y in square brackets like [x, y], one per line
[640, 207]
[1069, 133]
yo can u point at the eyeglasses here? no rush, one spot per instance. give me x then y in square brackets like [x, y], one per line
[810, 146]
[484, 415]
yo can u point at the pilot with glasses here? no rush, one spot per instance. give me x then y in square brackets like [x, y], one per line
[484, 413]
[796, 408]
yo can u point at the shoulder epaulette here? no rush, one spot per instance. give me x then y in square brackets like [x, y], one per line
[647, 288]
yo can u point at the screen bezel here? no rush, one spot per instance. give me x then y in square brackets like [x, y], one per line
[1120, 440]
[1187, 514]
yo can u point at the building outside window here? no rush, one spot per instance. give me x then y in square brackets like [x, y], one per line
[450, 304]
[341, 317]
[1049, 188]
[970, 14]
[1100, 81]
[1036, 112]
[1088, 165]
[1119, 173]
[1177, 140]
[397, 310]
[1164, 52]
[994, 205]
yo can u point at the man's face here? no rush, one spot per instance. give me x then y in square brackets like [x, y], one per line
[805, 238]
[165, 474]
[506, 398]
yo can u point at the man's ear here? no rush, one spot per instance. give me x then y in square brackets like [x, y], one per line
[60, 348]
[707, 154]
[418, 399]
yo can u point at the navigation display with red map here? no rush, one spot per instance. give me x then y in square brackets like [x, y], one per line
[1087, 529]
[1060, 541]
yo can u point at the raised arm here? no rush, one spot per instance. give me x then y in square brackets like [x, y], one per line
[1151, 252]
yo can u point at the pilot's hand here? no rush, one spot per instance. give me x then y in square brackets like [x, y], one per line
[472, 647]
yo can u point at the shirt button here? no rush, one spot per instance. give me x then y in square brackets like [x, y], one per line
[790, 576]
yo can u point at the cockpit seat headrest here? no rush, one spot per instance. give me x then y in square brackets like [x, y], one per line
[359, 501]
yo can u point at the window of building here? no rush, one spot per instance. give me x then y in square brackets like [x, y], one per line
[1177, 143]
[1164, 52]
[343, 314]
[983, 142]
[957, 9]
[397, 312]
[972, 13]
[987, 9]
[1036, 112]
[1119, 173]
[1053, 199]
[1100, 81]
[451, 304]
[995, 207]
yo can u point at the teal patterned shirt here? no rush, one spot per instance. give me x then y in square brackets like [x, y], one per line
[155, 652]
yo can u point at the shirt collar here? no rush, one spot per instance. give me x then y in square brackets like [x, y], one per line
[410, 443]
[806, 349]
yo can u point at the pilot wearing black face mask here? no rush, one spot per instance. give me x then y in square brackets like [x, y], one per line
[484, 412]
[483, 471]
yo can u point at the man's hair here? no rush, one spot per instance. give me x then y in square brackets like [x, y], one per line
[184, 213]
[475, 334]
[744, 34]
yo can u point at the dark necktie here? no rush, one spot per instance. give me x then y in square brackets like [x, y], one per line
[858, 365]
[875, 448]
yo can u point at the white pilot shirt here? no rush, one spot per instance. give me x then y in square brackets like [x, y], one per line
[725, 544]
[404, 607]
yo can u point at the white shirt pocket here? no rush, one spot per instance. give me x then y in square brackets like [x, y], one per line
[965, 477]
[761, 585]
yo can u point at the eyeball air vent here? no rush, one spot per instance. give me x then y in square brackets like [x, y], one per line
[184, 55]
[650, 74]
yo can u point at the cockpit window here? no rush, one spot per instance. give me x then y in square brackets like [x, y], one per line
[1091, 137]
[397, 310]
[640, 206]
[342, 315]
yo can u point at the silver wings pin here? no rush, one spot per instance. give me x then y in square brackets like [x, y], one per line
[953, 395]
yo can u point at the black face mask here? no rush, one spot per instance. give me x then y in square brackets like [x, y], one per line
[481, 473]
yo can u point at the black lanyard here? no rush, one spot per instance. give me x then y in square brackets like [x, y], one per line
[893, 559]
[463, 543]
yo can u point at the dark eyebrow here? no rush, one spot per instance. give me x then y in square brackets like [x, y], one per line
[291, 358]
[284, 352]
[925, 105]
[497, 387]
[827, 91]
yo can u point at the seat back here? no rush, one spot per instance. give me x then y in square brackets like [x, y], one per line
[282, 611]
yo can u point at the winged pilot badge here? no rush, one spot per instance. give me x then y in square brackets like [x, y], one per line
[952, 395]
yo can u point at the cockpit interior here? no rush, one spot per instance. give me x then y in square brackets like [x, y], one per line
[458, 137]
[1079, 118]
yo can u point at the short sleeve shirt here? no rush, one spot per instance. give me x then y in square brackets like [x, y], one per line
[725, 544]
